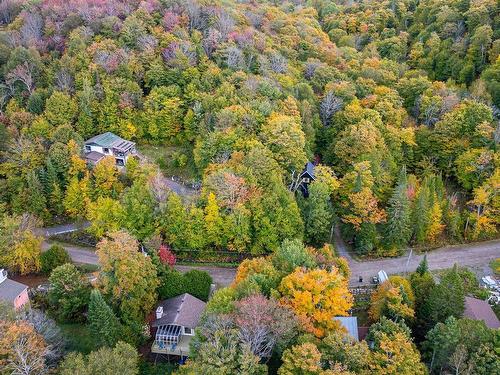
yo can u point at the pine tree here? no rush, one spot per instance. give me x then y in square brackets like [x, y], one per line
[173, 222]
[103, 323]
[421, 214]
[35, 198]
[398, 229]
[56, 199]
[423, 266]
[317, 213]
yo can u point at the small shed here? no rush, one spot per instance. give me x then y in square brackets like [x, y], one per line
[477, 309]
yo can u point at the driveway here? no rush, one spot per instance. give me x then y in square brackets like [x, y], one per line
[61, 229]
[179, 189]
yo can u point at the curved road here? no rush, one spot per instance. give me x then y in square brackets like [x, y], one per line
[475, 255]
[471, 255]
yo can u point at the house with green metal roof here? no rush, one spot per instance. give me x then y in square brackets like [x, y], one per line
[108, 144]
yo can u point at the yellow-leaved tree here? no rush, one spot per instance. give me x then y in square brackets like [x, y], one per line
[316, 296]
[127, 276]
[391, 300]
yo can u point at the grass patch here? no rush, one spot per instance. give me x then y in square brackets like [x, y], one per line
[495, 266]
[209, 264]
[87, 268]
[172, 160]
[147, 368]
[78, 337]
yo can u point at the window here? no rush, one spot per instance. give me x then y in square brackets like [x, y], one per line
[106, 150]
[188, 331]
[306, 180]
[88, 149]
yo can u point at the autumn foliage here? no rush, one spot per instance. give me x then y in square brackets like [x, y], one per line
[316, 296]
[166, 255]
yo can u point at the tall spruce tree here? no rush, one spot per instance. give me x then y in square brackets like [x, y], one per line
[421, 213]
[398, 229]
[103, 323]
[423, 266]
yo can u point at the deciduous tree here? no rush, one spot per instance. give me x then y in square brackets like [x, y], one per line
[127, 277]
[69, 292]
[316, 296]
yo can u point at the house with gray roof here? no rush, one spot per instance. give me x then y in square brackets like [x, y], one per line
[108, 144]
[12, 292]
[477, 309]
[174, 324]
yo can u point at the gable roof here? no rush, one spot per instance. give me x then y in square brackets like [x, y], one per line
[10, 290]
[110, 140]
[350, 323]
[309, 170]
[184, 310]
[480, 310]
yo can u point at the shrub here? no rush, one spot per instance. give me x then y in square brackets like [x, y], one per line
[54, 257]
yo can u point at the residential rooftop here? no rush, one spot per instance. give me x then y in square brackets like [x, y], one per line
[110, 140]
[183, 310]
[480, 310]
[10, 289]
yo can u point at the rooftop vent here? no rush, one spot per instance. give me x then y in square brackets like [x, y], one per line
[3, 275]
[159, 312]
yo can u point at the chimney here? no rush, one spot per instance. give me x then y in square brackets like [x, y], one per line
[3, 275]
[159, 312]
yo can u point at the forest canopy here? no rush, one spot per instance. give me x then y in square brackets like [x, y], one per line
[395, 102]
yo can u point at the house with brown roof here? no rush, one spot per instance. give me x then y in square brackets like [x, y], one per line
[480, 310]
[13, 293]
[174, 324]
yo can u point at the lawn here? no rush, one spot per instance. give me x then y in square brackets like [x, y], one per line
[78, 337]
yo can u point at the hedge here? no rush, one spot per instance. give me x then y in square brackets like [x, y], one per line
[195, 282]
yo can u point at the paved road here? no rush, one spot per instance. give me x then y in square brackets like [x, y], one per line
[61, 229]
[222, 276]
[78, 254]
[477, 255]
[471, 255]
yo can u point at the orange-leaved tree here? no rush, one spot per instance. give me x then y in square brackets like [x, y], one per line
[390, 300]
[316, 296]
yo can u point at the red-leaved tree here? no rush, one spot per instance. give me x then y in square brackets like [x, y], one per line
[166, 255]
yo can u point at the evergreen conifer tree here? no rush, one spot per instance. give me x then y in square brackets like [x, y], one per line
[423, 266]
[398, 229]
[103, 323]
